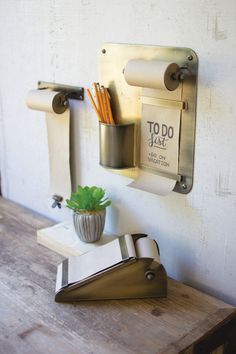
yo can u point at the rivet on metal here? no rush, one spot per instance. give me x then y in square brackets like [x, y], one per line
[57, 199]
[184, 186]
[190, 57]
[150, 275]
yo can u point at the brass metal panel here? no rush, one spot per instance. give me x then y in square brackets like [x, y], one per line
[127, 99]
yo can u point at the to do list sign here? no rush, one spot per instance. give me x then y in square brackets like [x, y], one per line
[160, 129]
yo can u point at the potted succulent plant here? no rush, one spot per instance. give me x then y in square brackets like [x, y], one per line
[89, 212]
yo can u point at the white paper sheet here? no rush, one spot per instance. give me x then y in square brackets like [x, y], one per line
[160, 138]
[153, 183]
[159, 149]
[93, 262]
[58, 131]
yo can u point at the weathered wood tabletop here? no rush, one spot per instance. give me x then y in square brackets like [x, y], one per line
[187, 321]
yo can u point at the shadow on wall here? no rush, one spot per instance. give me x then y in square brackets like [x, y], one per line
[183, 268]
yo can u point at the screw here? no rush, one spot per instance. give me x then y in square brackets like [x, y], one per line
[103, 51]
[184, 186]
[190, 57]
[150, 275]
[57, 201]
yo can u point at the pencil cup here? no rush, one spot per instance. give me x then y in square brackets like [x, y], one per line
[117, 145]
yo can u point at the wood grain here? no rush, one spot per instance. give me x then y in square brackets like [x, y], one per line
[31, 322]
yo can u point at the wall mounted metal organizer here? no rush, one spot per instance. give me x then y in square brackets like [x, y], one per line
[131, 103]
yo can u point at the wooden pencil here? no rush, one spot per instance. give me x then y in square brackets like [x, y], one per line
[106, 112]
[107, 97]
[94, 105]
[103, 102]
[98, 98]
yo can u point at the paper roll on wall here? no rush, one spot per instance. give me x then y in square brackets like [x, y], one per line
[47, 101]
[58, 130]
[146, 247]
[151, 74]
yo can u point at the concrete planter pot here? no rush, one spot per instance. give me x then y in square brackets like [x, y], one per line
[89, 226]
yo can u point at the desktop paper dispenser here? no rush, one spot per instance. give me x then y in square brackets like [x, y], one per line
[128, 267]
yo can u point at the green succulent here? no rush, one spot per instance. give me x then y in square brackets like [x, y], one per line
[88, 199]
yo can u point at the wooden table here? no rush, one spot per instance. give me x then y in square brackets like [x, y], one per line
[187, 321]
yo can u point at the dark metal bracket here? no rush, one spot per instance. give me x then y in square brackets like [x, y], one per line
[57, 200]
[73, 92]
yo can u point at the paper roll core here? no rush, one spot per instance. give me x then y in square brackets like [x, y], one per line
[152, 74]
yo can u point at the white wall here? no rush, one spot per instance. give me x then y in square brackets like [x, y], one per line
[59, 41]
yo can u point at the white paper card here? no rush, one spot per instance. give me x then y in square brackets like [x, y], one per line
[160, 138]
[58, 128]
[93, 262]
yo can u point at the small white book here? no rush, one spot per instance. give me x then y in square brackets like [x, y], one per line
[61, 238]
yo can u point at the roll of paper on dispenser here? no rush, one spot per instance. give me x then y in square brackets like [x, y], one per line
[152, 74]
[147, 247]
[47, 101]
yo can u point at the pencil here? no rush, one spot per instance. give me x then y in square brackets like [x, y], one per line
[106, 114]
[101, 103]
[94, 105]
[103, 106]
[107, 97]
[97, 96]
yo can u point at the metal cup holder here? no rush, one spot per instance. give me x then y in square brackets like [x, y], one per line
[117, 145]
